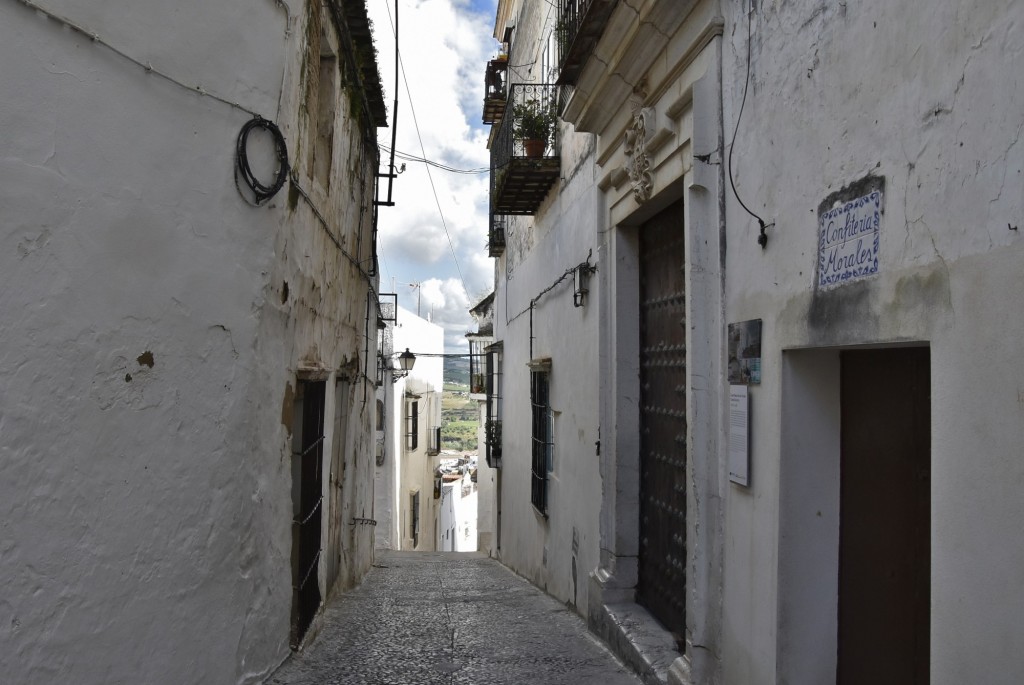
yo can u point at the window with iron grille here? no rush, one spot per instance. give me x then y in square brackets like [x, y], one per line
[542, 437]
[477, 375]
[412, 425]
[492, 429]
[414, 518]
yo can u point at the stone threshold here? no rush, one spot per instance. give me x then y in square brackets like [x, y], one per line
[636, 637]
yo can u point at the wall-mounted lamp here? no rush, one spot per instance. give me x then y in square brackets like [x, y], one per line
[581, 282]
[406, 361]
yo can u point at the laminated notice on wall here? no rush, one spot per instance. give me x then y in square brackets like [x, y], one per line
[739, 435]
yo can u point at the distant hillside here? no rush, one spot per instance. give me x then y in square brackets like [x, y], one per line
[456, 370]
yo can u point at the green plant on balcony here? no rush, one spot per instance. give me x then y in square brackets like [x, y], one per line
[493, 435]
[533, 123]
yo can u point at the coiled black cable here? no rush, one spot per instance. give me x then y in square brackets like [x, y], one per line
[261, 193]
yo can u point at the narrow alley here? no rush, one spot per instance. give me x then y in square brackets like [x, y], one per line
[421, 618]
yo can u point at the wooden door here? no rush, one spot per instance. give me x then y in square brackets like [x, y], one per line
[884, 509]
[661, 585]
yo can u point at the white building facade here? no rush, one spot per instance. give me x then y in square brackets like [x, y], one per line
[183, 361]
[748, 435]
[457, 513]
[406, 505]
[485, 388]
[881, 142]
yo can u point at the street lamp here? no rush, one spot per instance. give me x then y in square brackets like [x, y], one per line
[406, 360]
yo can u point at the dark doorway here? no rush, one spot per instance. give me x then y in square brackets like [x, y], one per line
[307, 500]
[884, 517]
[661, 585]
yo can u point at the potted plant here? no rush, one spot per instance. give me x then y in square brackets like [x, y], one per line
[533, 122]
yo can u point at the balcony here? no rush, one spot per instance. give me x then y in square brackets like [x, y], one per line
[580, 25]
[496, 236]
[495, 93]
[524, 156]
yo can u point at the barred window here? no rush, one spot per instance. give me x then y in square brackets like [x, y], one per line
[414, 518]
[543, 439]
[477, 367]
[412, 425]
[492, 429]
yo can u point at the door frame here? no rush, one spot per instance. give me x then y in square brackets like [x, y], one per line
[807, 622]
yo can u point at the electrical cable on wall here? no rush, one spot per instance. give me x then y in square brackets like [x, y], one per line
[149, 68]
[762, 239]
[261, 193]
[584, 266]
[337, 243]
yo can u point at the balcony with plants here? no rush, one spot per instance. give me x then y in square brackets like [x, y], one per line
[495, 89]
[524, 156]
[580, 25]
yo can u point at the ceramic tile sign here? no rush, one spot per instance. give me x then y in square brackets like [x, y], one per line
[745, 352]
[849, 228]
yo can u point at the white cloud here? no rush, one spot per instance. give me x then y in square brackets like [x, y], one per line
[445, 45]
[447, 305]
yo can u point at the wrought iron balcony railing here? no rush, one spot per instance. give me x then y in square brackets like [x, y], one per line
[495, 90]
[524, 153]
[580, 25]
[496, 236]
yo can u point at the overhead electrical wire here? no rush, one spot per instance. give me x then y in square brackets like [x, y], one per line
[423, 150]
[405, 156]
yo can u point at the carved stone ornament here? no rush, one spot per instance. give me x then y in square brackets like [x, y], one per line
[638, 163]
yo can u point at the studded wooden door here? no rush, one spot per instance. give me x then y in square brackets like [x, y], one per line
[662, 562]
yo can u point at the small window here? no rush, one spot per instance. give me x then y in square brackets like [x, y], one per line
[380, 415]
[477, 367]
[412, 425]
[414, 518]
[492, 429]
[542, 437]
[434, 441]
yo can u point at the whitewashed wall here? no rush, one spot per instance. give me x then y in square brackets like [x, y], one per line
[148, 352]
[557, 552]
[928, 96]
[416, 469]
[487, 482]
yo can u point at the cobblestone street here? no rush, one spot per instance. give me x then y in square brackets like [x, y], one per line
[421, 618]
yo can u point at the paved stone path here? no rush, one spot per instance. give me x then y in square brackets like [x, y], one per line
[421, 618]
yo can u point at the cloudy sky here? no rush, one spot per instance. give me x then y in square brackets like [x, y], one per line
[444, 45]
